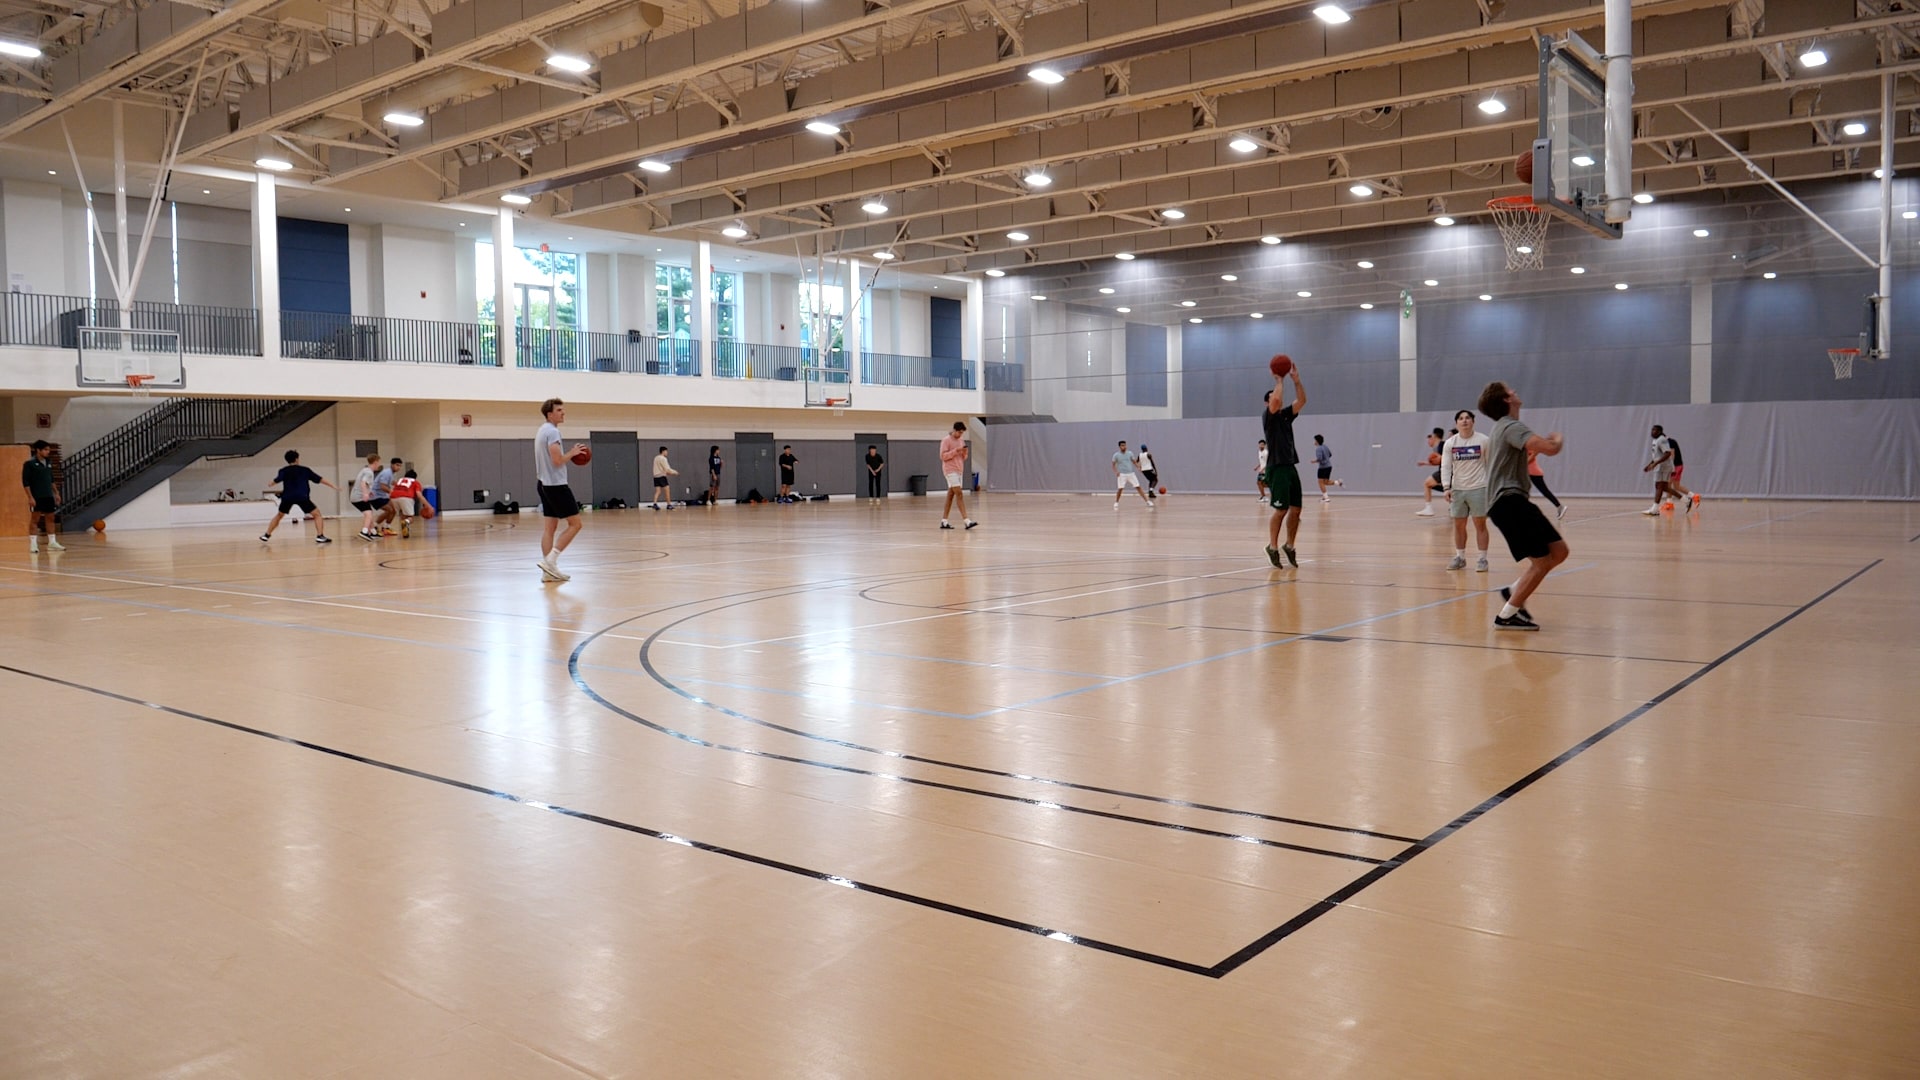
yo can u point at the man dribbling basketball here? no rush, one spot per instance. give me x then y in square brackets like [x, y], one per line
[557, 503]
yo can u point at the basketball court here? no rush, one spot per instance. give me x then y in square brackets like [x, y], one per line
[824, 791]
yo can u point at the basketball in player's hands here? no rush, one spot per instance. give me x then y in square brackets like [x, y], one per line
[1523, 167]
[1280, 365]
[581, 454]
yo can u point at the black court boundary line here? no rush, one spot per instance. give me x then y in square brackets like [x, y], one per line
[1354, 888]
[646, 664]
[639, 830]
[1437, 644]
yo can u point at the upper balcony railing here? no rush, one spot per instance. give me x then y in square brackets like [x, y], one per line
[54, 322]
[891, 369]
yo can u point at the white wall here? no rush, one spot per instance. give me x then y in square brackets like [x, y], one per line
[34, 220]
[632, 293]
[76, 421]
[782, 310]
[913, 334]
[596, 287]
[418, 276]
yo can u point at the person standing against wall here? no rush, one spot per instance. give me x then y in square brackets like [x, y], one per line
[1283, 472]
[714, 465]
[1260, 472]
[663, 474]
[557, 504]
[787, 464]
[1463, 476]
[876, 483]
[953, 463]
[43, 497]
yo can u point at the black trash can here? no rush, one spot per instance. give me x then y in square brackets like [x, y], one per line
[917, 483]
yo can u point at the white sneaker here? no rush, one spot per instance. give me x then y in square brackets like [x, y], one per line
[1116, 504]
[1458, 562]
[1324, 499]
[1339, 483]
[551, 572]
[33, 547]
[1149, 504]
[1560, 511]
[1482, 567]
[1652, 511]
[55, 545]
[1425, 511]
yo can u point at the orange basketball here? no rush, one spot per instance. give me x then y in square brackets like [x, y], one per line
[1523, 166]
[99, 525]
[1433, 459]
[582, 455]
[1163, 489]
[1280, 365]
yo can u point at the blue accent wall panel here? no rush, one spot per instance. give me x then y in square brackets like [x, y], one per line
[943, 328]
[1559, 351]
[1770, 338]
[1350, 362]
[314, 269]
[1146, 364]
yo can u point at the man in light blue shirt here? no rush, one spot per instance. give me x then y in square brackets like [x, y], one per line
[1125, 474]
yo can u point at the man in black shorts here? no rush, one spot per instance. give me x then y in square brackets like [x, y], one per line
[1283, 466]
[296, 489]
[36, 475]
[557, 503]
[1532, 539]
[787, 462]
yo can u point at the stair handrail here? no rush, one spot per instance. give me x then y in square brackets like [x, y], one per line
[98, 467]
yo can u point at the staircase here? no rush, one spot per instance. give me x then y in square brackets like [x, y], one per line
[127, 462]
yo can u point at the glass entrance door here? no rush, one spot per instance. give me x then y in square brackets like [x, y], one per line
[533, 318]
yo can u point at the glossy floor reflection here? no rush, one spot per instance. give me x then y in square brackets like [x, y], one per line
[824, 791]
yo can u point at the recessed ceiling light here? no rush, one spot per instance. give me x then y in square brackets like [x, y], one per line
[1361, 190]
[404, 119]
[652, 166]
[1769, 275]
[1621, 285]
[206, 191]
[1643, 198]
[1583, 161]
[569, 237]
[1576, 269]
[1304, 293]
[1878, 173]
[568, 62]
[735, 231]
[1243, 144]
[1702, 233]
[1443, 220]
[996, 273]
[874, 206]
[1366, 307]
[1124, 310]
[1493, 106]
[346, 209]
[20, 49]
[1853, 127]
[1365, 264]
[512, 199]
[1105, 291]
[1188, 303]
[1486, 296]
[1195, 320]
[884, 256]
[1046, 75]
[1037, 296]
[1255, 315]
[1018, 237]
[1124, 256]
[1037, 178]
[1269, 240]
[1332, 14]
[1173, 213]
[1430, 283]
[1909, 214]
[1523, 249]
[1229, 277]
[273, 164]
[821, 127]
[53, 172]
[1813, 57]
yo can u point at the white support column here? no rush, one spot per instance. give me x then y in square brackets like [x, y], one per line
[1409, 357]
[703, 322]
[973, 331]
[503, 297]
[1701, 351]
[121, 267]
[266, 262]
[1176, 373]
[851, 330]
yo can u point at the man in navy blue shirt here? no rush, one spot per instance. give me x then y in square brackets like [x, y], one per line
[296, 489]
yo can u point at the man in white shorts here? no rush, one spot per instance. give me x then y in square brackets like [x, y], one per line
[953, 463]
[1126, 474]
[1260, 472]
[1463, 476]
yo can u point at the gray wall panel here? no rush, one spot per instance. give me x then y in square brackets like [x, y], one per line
[1562, 351]
[1349, 361]
[1146, 355]
[1770, 338]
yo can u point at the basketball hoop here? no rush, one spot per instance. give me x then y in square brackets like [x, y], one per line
[1843, 362]
[138, 384]
[1523, 227]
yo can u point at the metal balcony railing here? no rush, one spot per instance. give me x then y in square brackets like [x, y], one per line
[54, 322]
[892, 369]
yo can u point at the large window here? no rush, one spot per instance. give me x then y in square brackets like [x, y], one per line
[673, 311]
[543, 294]
[823, 317]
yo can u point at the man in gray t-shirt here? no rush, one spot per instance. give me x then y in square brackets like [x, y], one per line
[1532, 539]
[557, 503]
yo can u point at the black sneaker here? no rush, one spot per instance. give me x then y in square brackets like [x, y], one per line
[1506, 593]
[948, 525]
[1518, 621]
[323, 539]
[1291, 557]
[1273, 556]
[367, 536]
[973, 524]
[264, 537]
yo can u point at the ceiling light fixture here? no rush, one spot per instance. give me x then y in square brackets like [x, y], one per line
[1523, 249]
[996, 272]
[20, 49]
[1173, 213]
[874, 206]
[1365, 264]
[1430, 283]
[1815, 56]
[1195, 320]
[1854, 127]
[1361, 190]
[1702, 233]
[1242, 144]
[1255, 315]
[1229, 277]
[404, 119]
[1332, 14]
[1908, 215]
[1188, 303]
[1620, 285]
[1584, 161]
[1105, 291]
[1018, 237]
[1493, 106]
[1124, 310]
[1879, 173]
[1304, 293]
[821, 127]
[1486, 296]
[1269, 239]
[1037, 178]
[1046, 75]
[735, 231]
[346, 209]
[652, 166]
[884, 256]
[512, 199]
[206, 191]
[1576, 269]
[1124, 256]
[1643, 198]
[273, 164]
[1443, 221]
[1366, 307]
[569, 62]
[1769, 275]
[1037, 296]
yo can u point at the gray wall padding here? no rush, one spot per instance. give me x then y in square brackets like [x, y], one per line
[1815, 450]
[1146, 357]
[1351, 361]
[1770, 339]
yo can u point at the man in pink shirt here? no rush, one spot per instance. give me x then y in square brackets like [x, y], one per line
[953, 462]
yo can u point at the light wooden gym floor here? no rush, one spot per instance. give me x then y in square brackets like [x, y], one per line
[822, 791]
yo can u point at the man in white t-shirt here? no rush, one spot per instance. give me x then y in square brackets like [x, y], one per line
[953, 465]
[663, 474]
[1126, 474]
[557, 504]
[1463, 476]
[1260, 471]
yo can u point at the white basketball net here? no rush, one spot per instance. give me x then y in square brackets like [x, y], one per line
[1843, 362]
[1524, 229]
